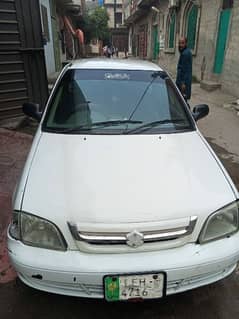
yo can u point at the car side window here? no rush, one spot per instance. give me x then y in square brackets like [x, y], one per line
[175, 105]
[69, 106]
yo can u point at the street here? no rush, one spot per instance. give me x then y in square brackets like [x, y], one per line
[219, 300]
[220, 128]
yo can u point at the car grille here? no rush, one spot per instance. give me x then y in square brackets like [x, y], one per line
[133, 239]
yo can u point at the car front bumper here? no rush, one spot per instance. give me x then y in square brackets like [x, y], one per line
[79, 274]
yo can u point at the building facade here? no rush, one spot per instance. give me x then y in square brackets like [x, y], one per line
[114, 10]
[211, 28]
[119, 33]
[63, 40]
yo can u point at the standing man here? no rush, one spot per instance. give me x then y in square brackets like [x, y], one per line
[184, 69]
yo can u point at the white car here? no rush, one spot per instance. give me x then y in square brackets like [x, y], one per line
[121, 197]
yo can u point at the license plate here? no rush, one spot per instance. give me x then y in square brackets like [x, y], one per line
[138, 286]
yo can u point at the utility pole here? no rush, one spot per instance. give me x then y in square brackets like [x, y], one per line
[83, 7]
[114, 14]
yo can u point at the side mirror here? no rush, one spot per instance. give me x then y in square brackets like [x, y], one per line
[200, 111]
[31, 110]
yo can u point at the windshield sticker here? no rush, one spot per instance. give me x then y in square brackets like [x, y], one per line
[117, 76]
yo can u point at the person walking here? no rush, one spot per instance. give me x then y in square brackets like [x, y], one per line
[110, 50]
[184, 69]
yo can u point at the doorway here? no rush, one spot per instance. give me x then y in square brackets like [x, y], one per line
[222, 36]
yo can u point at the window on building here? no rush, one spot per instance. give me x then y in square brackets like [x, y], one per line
[192, 18]
[118, 17]
[227, 4]
[170, 31]
[171, 40]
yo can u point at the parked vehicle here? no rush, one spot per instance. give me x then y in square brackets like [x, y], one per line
[121, 197]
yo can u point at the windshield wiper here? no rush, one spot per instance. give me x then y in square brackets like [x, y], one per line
[150, 125]
[96, 124]
[115, 122]
[163, 75]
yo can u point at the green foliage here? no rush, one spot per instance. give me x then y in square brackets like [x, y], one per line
[85, 25]
[95, 25]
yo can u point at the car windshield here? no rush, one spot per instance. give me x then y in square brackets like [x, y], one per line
[116, 102]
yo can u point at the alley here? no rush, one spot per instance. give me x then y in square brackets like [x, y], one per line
[219, 300]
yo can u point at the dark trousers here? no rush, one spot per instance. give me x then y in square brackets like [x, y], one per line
[186, 100]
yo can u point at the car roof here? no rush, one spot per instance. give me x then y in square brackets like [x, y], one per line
[115, 64]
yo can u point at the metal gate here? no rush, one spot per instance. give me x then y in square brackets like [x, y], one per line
[22, 63]
[143, 41]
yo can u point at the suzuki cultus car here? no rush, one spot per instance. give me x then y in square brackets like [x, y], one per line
[121, 197]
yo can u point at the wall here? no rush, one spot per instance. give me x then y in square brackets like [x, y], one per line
[110, 11]
[55, 35]
[230, 75]
[112, 2]
[167, 60]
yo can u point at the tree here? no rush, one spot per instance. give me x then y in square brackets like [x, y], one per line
[95, 25]
[99, 19]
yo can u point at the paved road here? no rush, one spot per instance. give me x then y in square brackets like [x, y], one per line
[221, 128]
[219, 300]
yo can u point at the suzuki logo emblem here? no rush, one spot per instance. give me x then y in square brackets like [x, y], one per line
[135, 239]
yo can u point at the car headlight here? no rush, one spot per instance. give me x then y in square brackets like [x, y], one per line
[36, 231]
[222, 223]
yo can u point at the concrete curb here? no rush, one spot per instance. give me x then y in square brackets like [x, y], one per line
[13, 123]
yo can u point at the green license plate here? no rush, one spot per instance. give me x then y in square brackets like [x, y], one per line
[137, 286]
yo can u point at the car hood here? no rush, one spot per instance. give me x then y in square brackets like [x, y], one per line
[117, 179]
